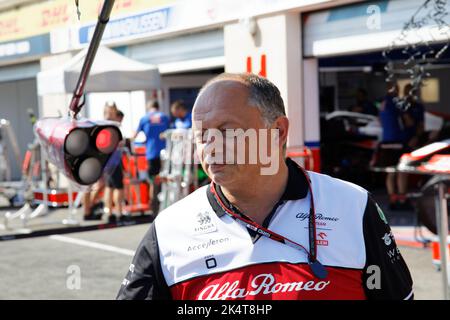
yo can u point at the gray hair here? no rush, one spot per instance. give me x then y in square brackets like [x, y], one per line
[263, 94]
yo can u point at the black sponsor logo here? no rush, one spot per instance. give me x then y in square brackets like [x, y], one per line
[211, 263]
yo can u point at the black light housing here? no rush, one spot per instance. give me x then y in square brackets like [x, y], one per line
[80, 148]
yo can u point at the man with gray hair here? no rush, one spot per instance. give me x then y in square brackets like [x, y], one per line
[254, 233]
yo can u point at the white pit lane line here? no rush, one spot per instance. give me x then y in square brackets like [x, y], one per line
[92, 244]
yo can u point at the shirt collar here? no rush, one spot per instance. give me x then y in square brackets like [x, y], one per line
[296, 188]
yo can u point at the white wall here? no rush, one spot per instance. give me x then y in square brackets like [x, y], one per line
[54, 105]
[279, 38]
[311, 100]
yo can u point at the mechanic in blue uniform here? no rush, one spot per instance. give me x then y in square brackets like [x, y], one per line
[413, 120]
[153, 124]
[392, 146]
[182, 115]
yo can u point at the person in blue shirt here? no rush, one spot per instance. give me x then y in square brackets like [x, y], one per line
[413, 130]
[394, 143]
[390, 118]
[413, 120]
[182, 115]
[153, 124]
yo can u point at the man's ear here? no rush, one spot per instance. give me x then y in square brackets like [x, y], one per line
[282, 124]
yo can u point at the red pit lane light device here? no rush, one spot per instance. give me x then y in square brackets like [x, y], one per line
[81, 149]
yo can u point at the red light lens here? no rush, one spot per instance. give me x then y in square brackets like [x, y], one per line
[103, 139]
[107, 140]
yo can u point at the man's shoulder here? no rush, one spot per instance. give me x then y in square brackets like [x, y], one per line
[333, 182]
[337, 188]
[162, 115]
[145, 118]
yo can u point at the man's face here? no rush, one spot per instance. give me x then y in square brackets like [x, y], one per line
[109, 113]
[224, 105]
[178, 112]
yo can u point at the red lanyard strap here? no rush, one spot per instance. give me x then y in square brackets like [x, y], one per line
[311, 220]
[317, 268]
[249, 224]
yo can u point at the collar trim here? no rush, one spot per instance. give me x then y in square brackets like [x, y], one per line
[296, 189]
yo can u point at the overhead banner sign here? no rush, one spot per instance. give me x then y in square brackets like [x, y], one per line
[41, 18]
[179, 15]
[145, 23]
[28, 47]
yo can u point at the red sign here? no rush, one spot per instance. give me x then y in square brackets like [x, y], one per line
[263, 69]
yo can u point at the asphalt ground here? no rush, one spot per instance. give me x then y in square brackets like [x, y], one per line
[92, 264]
[61, 267]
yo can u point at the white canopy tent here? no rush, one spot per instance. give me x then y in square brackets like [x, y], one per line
[110, 72]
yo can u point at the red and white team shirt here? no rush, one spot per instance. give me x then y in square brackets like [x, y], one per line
[195, 251]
